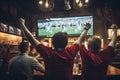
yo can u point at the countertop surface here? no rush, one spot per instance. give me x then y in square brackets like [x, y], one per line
[111, 71]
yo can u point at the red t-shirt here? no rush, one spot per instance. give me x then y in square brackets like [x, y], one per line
[94, 67]
[58, 65]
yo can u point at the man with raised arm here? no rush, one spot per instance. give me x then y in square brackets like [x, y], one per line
[58, 61]
[94, 60]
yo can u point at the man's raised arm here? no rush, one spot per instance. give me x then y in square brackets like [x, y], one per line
[81, 39]
[27, 33]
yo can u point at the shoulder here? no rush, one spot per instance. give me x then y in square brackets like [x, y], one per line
[29, 57]
[74, 46]
[109, 48]
[41, 47]
[32, 59]
[14, 58]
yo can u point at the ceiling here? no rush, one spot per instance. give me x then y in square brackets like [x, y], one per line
[31, 6]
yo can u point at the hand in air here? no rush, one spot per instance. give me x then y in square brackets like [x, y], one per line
[21, 21]
[87, 25]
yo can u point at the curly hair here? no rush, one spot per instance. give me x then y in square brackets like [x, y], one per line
[23, 47]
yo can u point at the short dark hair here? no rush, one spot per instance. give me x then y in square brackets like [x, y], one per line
[94, 43]
[60, 40]
[23, 47]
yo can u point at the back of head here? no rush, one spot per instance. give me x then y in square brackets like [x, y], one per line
[23, 47]
[60, 41]
[94, 44]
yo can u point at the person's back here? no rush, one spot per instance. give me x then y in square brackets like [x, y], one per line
[94, 66]
[58, 61]
[21, 66]
[94, 60]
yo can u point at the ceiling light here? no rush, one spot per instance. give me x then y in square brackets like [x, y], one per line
[67, 5]
[80, 4]
[41, 2]
[86, 1]
[46, 5]
[77, 1]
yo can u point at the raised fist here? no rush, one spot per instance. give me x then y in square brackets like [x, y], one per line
[21, 21]
[87, 25]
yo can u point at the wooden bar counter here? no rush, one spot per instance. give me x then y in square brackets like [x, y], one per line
[113, 73]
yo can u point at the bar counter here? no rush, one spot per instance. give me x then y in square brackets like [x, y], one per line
[113, 73]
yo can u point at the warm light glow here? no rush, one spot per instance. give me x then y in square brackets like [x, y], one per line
[41, 2]
[110, 33]
[98, 36]
[80, 4]
[45, 43]
[10, 39]
[86, 1]
[77, 1]
[102, 43]
[46, 4]
[13, 37]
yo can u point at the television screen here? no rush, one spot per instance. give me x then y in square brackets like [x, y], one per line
[72, 25]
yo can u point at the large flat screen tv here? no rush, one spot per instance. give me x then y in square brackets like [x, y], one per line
[47, 27]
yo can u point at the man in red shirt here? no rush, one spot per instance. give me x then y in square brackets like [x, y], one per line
[58, 61]
[94, 60]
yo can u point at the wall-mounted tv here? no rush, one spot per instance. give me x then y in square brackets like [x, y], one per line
[47, 27]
